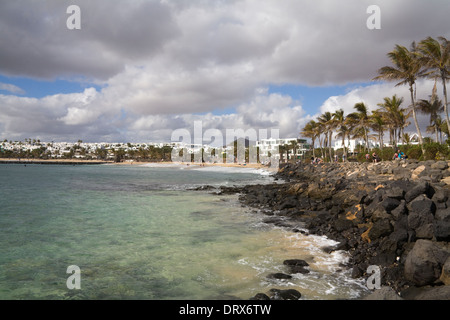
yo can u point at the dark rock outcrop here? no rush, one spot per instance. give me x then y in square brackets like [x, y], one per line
[392, 214]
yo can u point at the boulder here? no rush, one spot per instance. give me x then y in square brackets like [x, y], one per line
[420, 188]
[416, 172]
[390, 204]
[443, 214]
[440, 165]
[342, 224]
[396, 193]
[422, 205]
[423, 264]
[433, 293]
[381, 228]
[445, 275]
[442, 230]
[400, 211]
[421, 214]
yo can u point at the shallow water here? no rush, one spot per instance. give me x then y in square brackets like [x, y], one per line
[138, 232]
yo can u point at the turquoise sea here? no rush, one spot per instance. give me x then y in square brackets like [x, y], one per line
[140, 232]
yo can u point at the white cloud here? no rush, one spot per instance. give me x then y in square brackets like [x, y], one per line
[11, 88]
[374, 94]
[163, 64]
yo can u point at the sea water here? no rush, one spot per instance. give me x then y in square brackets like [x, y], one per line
[142, 232]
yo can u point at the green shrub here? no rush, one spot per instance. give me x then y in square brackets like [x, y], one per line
[436, 151]
[412, 151]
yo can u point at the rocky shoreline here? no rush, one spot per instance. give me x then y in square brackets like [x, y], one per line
[394, 215]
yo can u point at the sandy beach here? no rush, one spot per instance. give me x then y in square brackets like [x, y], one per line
[132, 162]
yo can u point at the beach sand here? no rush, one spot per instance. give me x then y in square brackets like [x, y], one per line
[132, 162]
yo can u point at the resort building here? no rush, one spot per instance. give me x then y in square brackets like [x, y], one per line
[283, 149]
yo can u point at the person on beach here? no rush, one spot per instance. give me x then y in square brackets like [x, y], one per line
[367, 157]
[395, 157]
[375, 157]
[401, 155]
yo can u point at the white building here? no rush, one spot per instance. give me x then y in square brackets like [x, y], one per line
[352, 144]
[273, 146]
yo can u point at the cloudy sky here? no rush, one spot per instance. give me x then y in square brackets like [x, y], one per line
[139, 69]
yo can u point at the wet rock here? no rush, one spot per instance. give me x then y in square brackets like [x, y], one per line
[260, 296]
[288, 294]
[279, 276]
[295, 262]
[296, 266]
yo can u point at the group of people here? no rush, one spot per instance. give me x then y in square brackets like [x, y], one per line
[399, 155]
[316, 160]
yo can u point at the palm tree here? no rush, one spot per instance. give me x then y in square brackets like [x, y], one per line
[395, 117]
[433, 108]
[343, 130]
[361, 119]
[438, 127]
[293, 145]
[407, 68]
[435, 56]
[327, 121]
[311, 131]
[377, 123]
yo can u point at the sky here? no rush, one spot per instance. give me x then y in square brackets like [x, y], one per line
[138, 70]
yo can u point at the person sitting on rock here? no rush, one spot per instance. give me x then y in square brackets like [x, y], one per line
[395, 156]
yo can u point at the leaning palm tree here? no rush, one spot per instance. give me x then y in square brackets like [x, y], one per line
[435, 56]
[407, 68]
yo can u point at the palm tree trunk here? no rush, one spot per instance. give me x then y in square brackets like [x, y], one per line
[436, 132]
[366, 139]
[445, 99]
[343, 145]
[419, 133]
[330, 135]
[314, 149]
